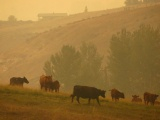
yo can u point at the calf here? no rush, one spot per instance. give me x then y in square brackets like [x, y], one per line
[150, 98]
[54, 85]
[115, 94]
[136, 98]
[87, 92]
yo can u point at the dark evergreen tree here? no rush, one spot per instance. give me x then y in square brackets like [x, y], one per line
[72, 67]
[48, 68]
[146, 57]
[91, 63]
[151, 1]
[65, 65]
[12, 18]
[131, 2]
[134, 60]
[119, 60]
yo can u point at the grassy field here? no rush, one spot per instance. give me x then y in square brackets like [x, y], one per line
[27, 104]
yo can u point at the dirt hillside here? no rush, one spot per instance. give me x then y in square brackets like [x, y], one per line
[26, 46]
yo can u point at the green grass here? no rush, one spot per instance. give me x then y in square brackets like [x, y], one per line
[26, 104]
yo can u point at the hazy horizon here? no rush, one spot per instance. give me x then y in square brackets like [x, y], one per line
[28, 10]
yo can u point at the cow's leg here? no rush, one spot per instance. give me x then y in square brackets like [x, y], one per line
[112, 98]
[98, 100]
[153, 102]
[72, 97]
[45, 88]
[78, 99]
[89, 100]
[58, 90]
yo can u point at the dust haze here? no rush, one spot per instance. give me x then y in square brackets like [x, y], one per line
[27, 42]
[28, 10]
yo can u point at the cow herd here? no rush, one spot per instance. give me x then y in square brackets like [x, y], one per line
[86, 92]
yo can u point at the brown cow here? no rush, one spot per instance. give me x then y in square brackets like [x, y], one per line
[150, 98]
[54, 85]
[87, 92]
[136, 98]
[18, 81]
[45, 82]
[115, 94]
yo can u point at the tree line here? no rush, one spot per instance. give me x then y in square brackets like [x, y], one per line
[134, 59]
[134, 2]
[133, 63]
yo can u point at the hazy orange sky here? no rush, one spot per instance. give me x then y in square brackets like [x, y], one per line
[29, 9]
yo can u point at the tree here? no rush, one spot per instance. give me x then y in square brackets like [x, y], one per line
[91, 63]
[134, 60]
[131, 2]
[146, 57]
[72, 67]
[48, 68]
[150, 1]
[12, 18]
[86, 9]
[119, 60]
[65, 65]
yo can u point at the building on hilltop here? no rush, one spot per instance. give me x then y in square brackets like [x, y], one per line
[46, 16]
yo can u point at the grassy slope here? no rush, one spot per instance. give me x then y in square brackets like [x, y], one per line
[27, 104]
[27, 58]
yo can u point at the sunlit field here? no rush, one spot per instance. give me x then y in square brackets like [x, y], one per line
[27, 104]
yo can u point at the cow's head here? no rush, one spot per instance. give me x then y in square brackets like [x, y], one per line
[122, 95]
[25, 80]
[102, 93]
[49, 78]
[155, 96]
[135, 96]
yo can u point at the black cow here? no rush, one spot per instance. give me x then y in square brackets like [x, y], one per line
[18, 81]
[87, 92]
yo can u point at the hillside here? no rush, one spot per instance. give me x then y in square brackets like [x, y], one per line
[25, 47]
[28, 104]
